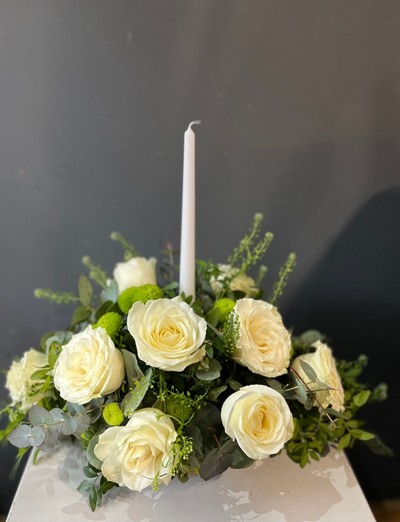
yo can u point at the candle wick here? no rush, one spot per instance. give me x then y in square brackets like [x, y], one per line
[196, 122]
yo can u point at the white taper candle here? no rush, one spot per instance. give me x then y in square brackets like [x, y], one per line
[188, 226]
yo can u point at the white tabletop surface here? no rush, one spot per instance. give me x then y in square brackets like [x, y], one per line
[276, 490]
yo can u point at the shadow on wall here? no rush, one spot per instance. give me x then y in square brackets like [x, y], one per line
[353, 296]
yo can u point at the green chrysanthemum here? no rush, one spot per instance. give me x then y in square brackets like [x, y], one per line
[112, 414]
[138, 293]
[111, 322]
[225, 307]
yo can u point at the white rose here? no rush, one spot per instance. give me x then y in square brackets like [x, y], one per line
[323, 363]
[19, 382]
[137, 271]
[133, 455]
[264, 343]
[167, 332]
[259, 419]
[88, 366]
[239, 281]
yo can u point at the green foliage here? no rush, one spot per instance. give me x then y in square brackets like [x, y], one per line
[129, 249]
[283, 277]
[191, 398]
[247, 254]
[96, 273]
[56, 297]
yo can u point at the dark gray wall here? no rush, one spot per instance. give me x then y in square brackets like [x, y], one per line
[301, 121]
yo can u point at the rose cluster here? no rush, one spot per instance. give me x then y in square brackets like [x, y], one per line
[114, 357]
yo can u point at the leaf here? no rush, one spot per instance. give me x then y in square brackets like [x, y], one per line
[133, 371]
[212, 373]
[91, 457]
[81, 314]
[85, 290]
[83, 423]
[38, 416]
[84, 486]
[61, 337]
[213, 316]
[308, 370]
[132, 400]
[377, 446]
[234, 385]
[54, 352]
[344, 442]
[110, 293]
[240, 459]
[361, 434]
[94, 498]
[20, 437]
[90, 472]
[300, 389]
[215, 463]
[37, 436]
[361, 398]
[69, 426]
[311, 336]
[40, 375]
[214, 393]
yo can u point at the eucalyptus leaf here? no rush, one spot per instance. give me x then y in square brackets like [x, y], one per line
[69, 426]
[83, 422]
[212, 373]
[37, 436]
[95, 409]
[38, 416]
[84, 486]
[216, 462]
[111, 293]
[300, 389]
[91, 457]
[75, 408]
[61, 337]
[132, 400]
[240, 459]
[20, 437]
[214, 393]
[234, 385]
[308, 370]
[133, 371]
[50, 441]
[311, 336]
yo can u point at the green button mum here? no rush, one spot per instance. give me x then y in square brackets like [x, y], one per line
[138, 293]
[112, 414]
[111, 322]
[225, 307]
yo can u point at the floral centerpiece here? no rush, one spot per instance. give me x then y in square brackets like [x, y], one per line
[156, 384]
